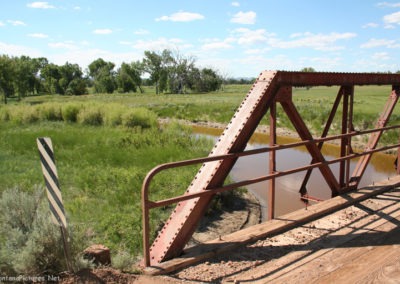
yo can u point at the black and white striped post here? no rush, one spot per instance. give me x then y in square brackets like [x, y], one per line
[53, 191]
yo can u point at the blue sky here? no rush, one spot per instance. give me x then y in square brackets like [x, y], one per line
[239, 38]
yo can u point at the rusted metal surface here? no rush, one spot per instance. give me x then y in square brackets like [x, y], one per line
[374, 138]
[271, 87]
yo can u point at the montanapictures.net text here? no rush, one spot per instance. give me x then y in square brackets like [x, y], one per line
[26, 278]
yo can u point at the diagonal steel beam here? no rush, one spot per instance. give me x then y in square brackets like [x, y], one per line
[183, 221]
[374, 138]
[312, 148]
[303, 187]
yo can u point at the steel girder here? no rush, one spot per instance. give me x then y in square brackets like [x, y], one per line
[270, 87]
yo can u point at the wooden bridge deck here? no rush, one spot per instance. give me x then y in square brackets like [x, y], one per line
[364, 248]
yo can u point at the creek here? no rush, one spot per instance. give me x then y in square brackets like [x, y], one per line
[287, 197]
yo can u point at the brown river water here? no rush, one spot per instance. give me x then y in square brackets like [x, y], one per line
[287, 197]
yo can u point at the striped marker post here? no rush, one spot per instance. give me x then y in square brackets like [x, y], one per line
[53, 191]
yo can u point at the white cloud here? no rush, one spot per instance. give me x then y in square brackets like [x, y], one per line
[235, 4]
[16, 23]
[18, 50]
[40, 5]
[246, 36]
[2, 24]
[216, 45]
[77, 8]
[257, 50]
[392, 19]
[245, 18]
[122, 42]
[63, 45]
[181, 17]
[386, 4]
[38, 35]
[161, 43]
[324, 42]
[370, 25]
[141, 32]
[380, 56]
[373, 42]
[102, 31]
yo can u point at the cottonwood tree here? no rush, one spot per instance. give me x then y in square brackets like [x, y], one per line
[103, 76]
[6, 76]
[157, 65]
[179, 72]
[129, 77]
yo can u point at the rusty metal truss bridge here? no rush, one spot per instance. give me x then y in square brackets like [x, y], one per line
[271, 88]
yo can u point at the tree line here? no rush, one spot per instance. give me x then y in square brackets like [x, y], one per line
[169, 72]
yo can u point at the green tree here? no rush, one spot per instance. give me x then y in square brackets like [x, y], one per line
[7, 72]
[71, 81]
[103, 76]
[51, 75]
[26, 75]
[205, 80]
[179, 72]
[125, 81]
[157, 65]
[307, 69]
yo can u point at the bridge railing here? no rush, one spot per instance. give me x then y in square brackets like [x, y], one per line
[147, 204]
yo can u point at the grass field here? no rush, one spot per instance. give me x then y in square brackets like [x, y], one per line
[105, 144]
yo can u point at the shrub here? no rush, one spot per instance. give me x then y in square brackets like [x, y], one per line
[139, 117]
[4, 114]
[70, 112]
[113, 115]
[50, 112]
[30, 243]
[90, 116]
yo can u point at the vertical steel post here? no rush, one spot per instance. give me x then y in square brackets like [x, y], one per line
[272, 161]
[350, 128]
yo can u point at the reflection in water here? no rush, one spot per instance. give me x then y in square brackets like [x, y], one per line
[287, 187]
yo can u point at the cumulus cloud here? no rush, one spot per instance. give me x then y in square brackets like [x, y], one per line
[63, 45]
[38, 35]
[370, 25]
[141, 32]
[181, 17]
[217, 44]
[161, 43]
[374, 42]
[246, 36]
[392, 19]
[16, 23]
[380, 56]
[102, 31]
[18, 50]
[386, 4]
[235, 4]
[40, 5]
[245, 18]
[324, 42]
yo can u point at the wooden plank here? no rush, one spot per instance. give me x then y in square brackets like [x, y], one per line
[285, 222]
[348, 246]
[360, 264]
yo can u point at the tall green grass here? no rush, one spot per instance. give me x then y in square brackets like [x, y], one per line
[102, 160]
